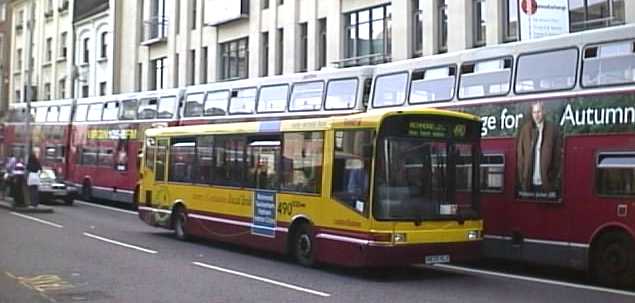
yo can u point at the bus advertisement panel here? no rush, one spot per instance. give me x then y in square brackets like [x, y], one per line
[341, 190]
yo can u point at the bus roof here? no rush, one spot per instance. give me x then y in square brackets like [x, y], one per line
[362, 120]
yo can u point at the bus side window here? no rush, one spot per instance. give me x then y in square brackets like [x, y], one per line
[351, 168]
[302, 162]
[263, 162]
[609, 64]
[150, 151]
[182, 160]
[615, 174]
[492, 172]
[161, 157]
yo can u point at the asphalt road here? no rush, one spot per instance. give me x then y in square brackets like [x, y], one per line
[86, 253]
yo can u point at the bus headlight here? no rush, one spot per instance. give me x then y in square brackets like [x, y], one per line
[473, 235]
[399, 237]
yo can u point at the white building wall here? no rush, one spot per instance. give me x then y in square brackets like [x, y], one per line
[98, 69]
[45, 26]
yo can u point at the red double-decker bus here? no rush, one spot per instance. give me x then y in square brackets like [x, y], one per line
[107, 135]
[50, 132]
[558, 126]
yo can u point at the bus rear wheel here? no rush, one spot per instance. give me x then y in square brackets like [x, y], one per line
[303, 246]
[180, 222]
[614, 260]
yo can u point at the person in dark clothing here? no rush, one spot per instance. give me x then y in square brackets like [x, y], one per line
[33, 179]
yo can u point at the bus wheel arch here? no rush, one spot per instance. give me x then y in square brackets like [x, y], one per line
[611, 258]
[301, 244]
[178, 221]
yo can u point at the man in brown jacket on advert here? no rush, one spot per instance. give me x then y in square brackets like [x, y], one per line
[538, 154]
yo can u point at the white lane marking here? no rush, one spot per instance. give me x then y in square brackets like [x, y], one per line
[130, 212]
[538, 280]
[37, 220]
[261, 279]
[121, 243]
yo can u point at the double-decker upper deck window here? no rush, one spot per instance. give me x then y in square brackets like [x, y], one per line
[53, 114]
[485, 78]
[65, 113]
[609, 64]
[306, 96]
[128, 110]
[243, 101]
[615, 174]
[433, 84]
[94, 112]
[194, 105]
[341, 94]
[80, 112]
[111, 110]
[147, 108]
[167, 107]
[390, 90]
[40, 114]
[273, 99]
[216, 103]
[546, 71]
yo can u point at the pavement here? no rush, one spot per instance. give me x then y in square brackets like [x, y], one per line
[7, 203]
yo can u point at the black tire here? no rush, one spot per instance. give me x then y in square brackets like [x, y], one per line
[179, 223]
[613, 260]
[303, 246]
[87, 191]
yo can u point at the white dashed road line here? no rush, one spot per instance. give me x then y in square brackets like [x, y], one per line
[531, 279]
[37, 220]
[121, 243]
[261, 279]
[130, 212]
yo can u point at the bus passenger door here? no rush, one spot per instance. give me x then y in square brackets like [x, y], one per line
[156, 194]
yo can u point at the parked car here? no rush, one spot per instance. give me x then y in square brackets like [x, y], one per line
[51, 187]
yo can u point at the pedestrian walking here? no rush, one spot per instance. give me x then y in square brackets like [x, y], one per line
[9, 167]
[33, 179]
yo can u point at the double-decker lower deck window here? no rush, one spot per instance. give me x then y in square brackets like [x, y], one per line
[615, 174]
[105, 157]
[492, 172]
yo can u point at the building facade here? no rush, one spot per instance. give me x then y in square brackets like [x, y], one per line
[48, 26]
[5, 59]
[152, 44]
[93, 48]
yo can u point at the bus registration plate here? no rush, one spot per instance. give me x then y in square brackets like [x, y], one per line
[437, 259]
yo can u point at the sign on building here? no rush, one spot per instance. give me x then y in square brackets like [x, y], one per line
[543, 18]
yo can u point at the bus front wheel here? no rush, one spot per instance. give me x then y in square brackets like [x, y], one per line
[304, 246]
[614, 261]
[180, 221]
